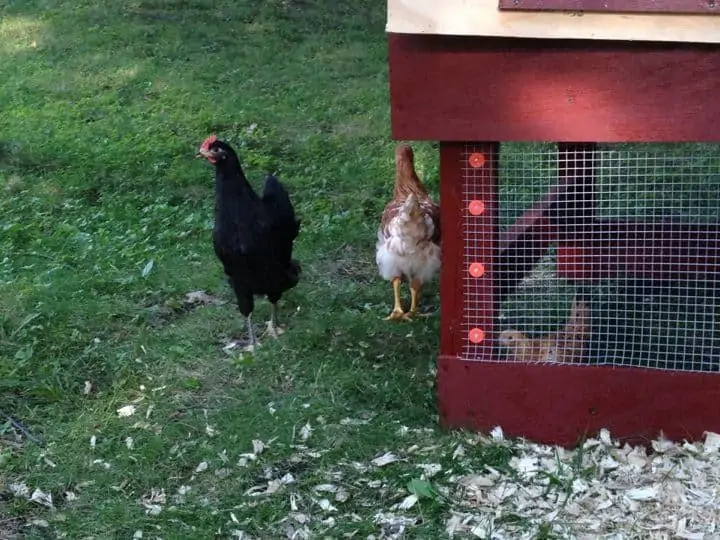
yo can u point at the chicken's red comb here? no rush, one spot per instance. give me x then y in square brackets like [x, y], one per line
[207, 142]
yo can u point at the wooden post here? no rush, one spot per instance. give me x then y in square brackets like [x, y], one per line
[470, 231]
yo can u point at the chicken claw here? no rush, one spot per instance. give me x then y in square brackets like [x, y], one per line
[272, 327]
[273, 330]
[415, 286]
[397, 313]
[241, 345]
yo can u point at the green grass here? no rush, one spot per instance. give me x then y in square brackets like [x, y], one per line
[106, 220]
[103, 106]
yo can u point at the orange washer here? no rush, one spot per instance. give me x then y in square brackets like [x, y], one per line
[476, 335]
[476, 160]
[476, 270]
[476, 207]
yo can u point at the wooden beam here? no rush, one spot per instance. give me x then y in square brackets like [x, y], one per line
[455, 89]
[452, 274]
[483, 18]
[705, 7]
[653, 250]
[565, 404]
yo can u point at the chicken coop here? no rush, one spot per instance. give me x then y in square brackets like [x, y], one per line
[580, 201]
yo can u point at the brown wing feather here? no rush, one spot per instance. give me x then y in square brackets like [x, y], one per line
[391, 210]
[433, 210]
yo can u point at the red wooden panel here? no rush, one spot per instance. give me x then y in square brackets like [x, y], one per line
[448, 88]
[560, 404]
[642, 249]
[615, 6]
[451, 293]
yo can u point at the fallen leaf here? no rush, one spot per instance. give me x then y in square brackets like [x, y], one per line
[326, 505]
[200, 297]
[147, 268]
[127, 410]
[422, 489]
[712, 442]
[459, 452]
[430, 469]
[642, 494]
[352, 422]
[408, 502]
[258, 446]
[42, 498]
[385, 459]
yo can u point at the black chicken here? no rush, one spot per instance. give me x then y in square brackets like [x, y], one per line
[253, 236]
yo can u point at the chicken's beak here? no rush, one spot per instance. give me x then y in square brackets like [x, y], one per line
[202, 154]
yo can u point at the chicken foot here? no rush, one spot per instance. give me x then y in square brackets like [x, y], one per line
[247, 345]
[273, 327]
[397, 312]
[252, 340]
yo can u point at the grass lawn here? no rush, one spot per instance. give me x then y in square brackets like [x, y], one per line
[122, 416]
[106, 221]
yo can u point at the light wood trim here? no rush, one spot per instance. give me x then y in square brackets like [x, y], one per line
[483, 18]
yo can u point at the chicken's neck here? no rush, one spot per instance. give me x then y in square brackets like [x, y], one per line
[407, 182]
[230, 181]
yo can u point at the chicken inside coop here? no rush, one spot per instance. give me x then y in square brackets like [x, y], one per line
[568, 344]
[408, 245]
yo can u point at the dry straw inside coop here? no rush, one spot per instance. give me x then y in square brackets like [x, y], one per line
[632, 231]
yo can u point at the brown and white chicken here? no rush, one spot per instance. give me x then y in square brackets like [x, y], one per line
[408, 246]
[565, 346]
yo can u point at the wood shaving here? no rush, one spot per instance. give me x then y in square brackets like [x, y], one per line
[595, 491]
[385, 459]
[127, 410]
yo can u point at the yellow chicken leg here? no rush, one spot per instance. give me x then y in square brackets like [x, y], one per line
[397, 312]
[415, 286]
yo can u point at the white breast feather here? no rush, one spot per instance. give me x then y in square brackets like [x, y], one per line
[407, 249]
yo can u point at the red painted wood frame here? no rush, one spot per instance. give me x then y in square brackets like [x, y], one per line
[555, 404]
[477, 89]
[708, 7]
[447, 88]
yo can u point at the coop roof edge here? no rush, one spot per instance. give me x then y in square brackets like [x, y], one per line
[483, 18]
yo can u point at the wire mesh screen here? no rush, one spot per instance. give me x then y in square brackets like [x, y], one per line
[605, 255]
